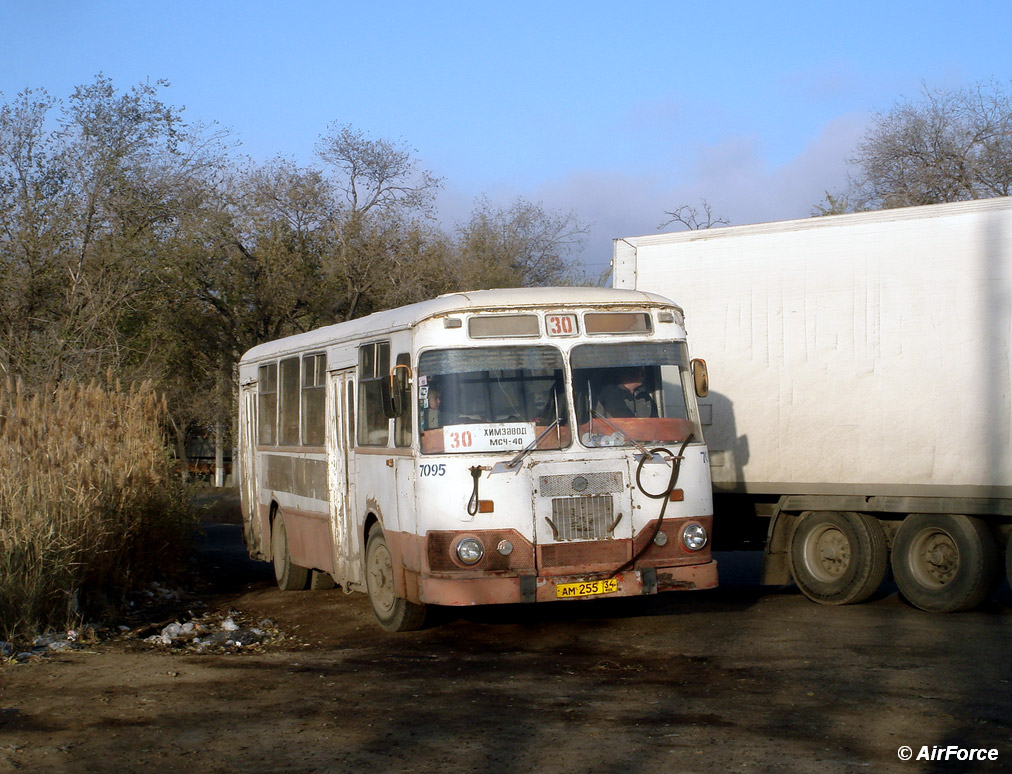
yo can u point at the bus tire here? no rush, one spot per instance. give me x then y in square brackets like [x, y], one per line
[944, 563]
[838, 558]
[290, 576]
[392, 612]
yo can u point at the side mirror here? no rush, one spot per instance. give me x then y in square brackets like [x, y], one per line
[397, 391]
[700, 377]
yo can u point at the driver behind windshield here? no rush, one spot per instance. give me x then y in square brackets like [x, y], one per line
[626, 395]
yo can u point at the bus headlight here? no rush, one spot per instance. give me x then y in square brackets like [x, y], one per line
[470, 551]
[694, 537]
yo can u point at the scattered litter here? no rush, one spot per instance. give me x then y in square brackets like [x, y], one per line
[216, 632]
[51, 642]
[209, 632]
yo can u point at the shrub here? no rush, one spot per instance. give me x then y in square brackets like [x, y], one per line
[89, 505]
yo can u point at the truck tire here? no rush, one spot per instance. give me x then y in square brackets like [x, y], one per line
[944, 563]
[838, 558]
[392, 612]
[290, 576]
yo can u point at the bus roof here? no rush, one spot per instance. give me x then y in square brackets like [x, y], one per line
[407, 316]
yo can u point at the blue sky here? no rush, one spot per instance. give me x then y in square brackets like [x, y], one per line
[617, 115]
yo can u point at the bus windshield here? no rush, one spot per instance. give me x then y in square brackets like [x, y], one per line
[634, 391]
[491, 399]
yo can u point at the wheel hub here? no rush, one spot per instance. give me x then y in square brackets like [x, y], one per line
[380, 578]
[831, 554]
[936, 559]
[942, 557]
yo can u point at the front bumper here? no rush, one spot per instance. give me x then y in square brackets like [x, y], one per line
[532, 588]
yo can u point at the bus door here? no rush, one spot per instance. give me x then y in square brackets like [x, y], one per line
[340, 452]
[249, 489]
[583, 515]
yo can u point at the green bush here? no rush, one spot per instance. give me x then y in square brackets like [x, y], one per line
[89, 503]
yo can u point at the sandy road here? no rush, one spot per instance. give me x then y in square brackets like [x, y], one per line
[740, 679]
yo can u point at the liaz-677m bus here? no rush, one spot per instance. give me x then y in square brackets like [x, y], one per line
[496, 446]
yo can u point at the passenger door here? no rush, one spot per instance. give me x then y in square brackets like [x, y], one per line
[340, 462]
[249, 488]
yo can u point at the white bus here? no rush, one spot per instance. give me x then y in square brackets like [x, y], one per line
[487, 447]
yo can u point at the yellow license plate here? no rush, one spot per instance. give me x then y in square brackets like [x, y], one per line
[586, 589]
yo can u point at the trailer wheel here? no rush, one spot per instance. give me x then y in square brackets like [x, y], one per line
[944, 563]
[393, 613]
[290, 576]
[838, 558]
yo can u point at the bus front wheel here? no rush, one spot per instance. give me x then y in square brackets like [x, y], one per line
[392, 612]
[290, 576]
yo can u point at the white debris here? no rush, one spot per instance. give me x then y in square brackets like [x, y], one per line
[213, 631]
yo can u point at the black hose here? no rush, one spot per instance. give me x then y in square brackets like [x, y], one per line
[665, 496]
[472, 504]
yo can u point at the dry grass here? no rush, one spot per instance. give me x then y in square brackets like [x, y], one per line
[89, 505]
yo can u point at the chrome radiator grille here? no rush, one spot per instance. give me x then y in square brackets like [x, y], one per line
[606, 482]
[583, 518]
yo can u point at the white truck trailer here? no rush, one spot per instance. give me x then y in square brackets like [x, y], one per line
[861, 378]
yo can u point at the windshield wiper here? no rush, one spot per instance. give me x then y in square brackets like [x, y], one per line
[502, 467]
[624, 434]
[560, 420]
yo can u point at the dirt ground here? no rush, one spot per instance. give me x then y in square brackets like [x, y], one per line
[742, 678]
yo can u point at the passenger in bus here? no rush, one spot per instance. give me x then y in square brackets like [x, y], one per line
[627, 395]
[430, 414]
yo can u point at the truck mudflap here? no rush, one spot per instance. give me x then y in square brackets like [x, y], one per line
[531, 588]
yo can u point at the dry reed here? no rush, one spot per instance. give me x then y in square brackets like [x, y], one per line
[89, 506]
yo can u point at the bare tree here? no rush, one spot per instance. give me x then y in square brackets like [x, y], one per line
[32, 234]
[376, 173]
[380, 195]
[86, 212]
[694, 219]
[947, 146]
[522, 245]
[837, 204]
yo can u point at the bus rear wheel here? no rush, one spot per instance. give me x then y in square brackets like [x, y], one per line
[944, 563]
[838, 558]
[290, 576]
[392, 612]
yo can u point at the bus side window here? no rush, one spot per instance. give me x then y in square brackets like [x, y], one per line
[373, 367]
[288, 426]
[267, 410]
[314, 368]
[402, 424]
